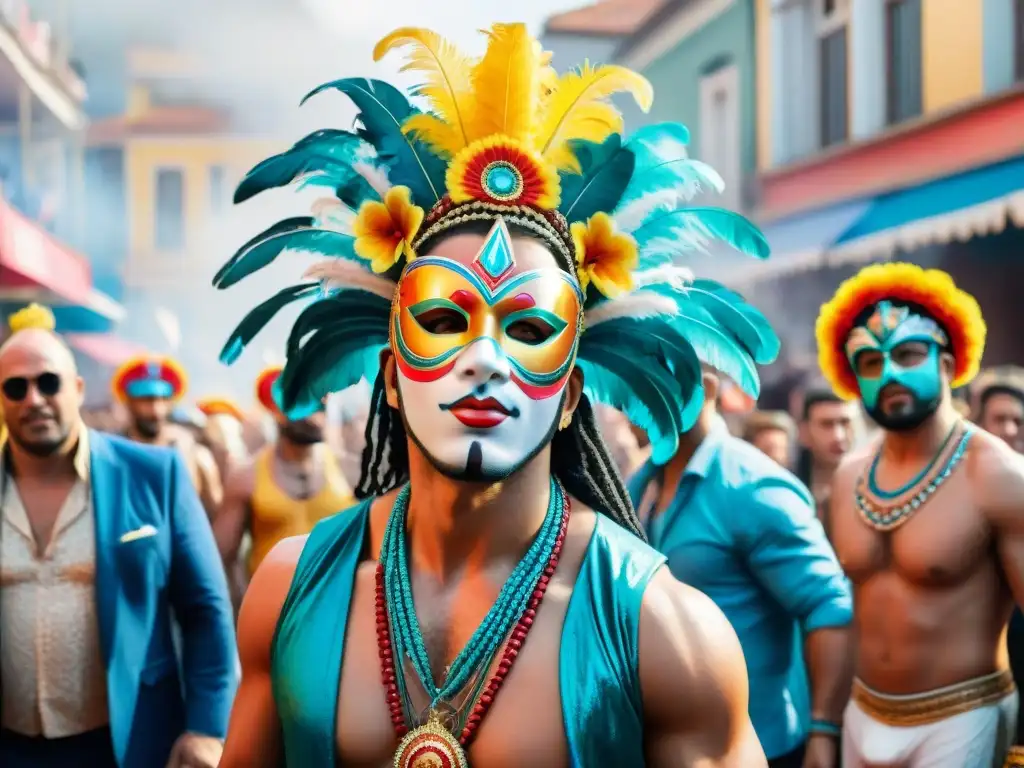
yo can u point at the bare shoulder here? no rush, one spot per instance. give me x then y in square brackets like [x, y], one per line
[241, 479]
[996, 474]
[686, 643]
[265, 596]
[853, 465]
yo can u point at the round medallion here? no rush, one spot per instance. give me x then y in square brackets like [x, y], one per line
[502, 180]
[430, 746]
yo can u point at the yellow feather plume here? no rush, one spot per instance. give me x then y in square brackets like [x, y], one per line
[578, 108]
[34, 316]
[506, 85]
[448, 86]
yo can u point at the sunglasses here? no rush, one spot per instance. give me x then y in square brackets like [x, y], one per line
[16, 388]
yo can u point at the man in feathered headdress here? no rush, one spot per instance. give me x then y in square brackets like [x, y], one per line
[928, 523]
[496, 264]
[150, 387]
[289, 486]
[743, 530]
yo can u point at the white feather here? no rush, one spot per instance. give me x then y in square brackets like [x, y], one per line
[341, 274]
[633, 215]
[636, 305]
[375, 176]
[330, 213]
[668, 274]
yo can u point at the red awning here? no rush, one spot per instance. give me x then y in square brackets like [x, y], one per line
[30, 257]
[105, 348]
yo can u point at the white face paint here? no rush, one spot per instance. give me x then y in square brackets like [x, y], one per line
[496, 429]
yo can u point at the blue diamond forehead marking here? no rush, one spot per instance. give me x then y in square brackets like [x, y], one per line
[496, 258]
[502, 180]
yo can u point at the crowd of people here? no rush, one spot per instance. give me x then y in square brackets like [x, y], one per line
[501, 475]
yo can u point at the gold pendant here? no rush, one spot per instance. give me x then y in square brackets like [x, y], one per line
[431, 745]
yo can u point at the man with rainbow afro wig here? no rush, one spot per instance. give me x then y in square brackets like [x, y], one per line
[928, 523]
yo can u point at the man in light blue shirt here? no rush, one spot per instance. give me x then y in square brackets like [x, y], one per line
[743, 530]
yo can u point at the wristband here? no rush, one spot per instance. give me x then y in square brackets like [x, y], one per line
[1014, 758]
[826, 728]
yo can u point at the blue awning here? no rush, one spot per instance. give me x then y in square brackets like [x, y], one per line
[800, 242]
[977, 202]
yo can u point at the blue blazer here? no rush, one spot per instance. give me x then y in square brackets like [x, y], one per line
[144, 583]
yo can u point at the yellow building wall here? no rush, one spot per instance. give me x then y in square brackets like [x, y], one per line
[763, 82]
[194, 157]
[951, 53]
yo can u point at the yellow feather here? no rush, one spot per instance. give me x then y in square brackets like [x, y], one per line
[445, 139]
[506, 84]
[578, 109]
[448, 85]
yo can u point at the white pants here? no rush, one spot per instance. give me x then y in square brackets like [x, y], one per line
[976, 739]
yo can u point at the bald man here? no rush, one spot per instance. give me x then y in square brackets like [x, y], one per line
[102, 541]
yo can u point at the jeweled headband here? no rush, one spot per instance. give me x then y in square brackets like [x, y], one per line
[949, 316]
[504, 135]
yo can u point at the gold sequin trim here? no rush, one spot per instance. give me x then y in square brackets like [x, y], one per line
[931, 707]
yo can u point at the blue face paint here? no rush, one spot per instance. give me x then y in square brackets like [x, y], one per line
[887, 328]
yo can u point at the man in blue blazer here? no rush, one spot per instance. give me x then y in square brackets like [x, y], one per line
[104, 545]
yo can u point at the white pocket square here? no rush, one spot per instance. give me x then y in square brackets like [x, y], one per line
[139, 533]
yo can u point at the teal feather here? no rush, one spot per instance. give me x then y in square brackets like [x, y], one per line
[742, 320]
[334, 343]
[663, 165]
[257, 319]
[327, 152]
[669, 234]
[652, 344]
[352, 191]
[606, 170]
[382, 111]
[297, 234]
[720, 350]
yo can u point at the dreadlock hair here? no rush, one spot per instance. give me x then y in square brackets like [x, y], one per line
[580, 460]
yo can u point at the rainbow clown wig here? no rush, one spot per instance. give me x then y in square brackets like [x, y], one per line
[503, 137]
[928, 290]
[144, 377]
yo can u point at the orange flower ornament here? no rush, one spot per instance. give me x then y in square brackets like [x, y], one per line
[384, 231]
[604, 256]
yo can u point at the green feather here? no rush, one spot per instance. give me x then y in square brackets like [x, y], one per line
[606, 170]
[382, 111]
[297, 234]
[257, 319]
[734, 315]
[329, 153]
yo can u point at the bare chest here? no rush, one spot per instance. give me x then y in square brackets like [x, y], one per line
[524, 725]
[942, 543]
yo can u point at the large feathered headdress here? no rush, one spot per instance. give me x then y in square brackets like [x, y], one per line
[504, 135]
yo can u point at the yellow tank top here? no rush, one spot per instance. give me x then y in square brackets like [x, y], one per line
[276, 516]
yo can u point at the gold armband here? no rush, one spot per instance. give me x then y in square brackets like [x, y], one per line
[1014, 758]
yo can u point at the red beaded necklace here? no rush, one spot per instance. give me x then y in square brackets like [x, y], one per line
[509, 655]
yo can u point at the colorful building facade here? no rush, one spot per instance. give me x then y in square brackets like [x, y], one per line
[889, 129]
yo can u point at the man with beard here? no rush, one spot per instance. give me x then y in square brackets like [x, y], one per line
[290, 486]
[495, 564]
[928, 523]
[149, 388]
[103, 541]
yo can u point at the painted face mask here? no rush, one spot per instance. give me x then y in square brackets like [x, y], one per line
[878, 351]
[484, 351]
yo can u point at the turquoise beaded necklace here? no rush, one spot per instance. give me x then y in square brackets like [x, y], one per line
[896, 493]
[406, 636]
[883, 518]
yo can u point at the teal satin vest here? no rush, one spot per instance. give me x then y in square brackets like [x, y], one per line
[598, 664]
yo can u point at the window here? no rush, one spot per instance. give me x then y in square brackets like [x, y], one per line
[832, 84]
[1018, 38]
[903, 59]
[719, 137]
[170, 209]
[218, 188]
